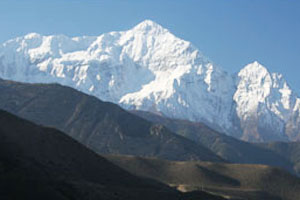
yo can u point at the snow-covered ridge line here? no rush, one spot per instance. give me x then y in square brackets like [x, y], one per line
[148, 68]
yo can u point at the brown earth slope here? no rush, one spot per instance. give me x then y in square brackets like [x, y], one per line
[240, 181]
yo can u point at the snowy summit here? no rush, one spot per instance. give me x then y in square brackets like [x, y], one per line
[148, 68]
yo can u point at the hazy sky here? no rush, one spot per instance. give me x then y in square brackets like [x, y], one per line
[231, 33]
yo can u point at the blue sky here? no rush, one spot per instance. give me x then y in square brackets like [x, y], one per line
[231, 33]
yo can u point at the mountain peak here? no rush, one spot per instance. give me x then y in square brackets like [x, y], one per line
[149, 68]
[32, 35]
[149, 26]
[254, 68]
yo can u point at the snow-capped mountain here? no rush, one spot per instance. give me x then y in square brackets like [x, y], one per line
[265, 104]
[148, 68]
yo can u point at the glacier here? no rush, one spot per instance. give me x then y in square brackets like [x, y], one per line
[148, 68]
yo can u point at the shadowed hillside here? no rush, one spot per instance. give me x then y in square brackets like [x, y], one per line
[104, 127]
[43, 163]
[227, 147]
[289, 150]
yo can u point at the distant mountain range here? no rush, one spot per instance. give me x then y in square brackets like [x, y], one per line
[148, 68]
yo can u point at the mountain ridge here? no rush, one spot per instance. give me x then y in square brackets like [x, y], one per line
[230, 148]
[148, 68]
[103, 127]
